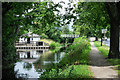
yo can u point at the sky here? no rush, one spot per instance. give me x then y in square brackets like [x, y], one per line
[62, 11]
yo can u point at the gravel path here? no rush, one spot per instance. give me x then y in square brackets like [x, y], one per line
[99, 65]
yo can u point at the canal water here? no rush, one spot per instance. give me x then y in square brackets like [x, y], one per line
[34, 62]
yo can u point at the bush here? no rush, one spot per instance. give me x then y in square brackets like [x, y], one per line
[43, 36]
[52, 45]
[76, 54]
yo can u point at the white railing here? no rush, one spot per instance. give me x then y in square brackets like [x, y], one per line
[32, 43]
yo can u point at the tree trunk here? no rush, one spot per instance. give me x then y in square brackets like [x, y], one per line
[96, 38]
[118, 7]
[114, 40]
[114, 30]
[95, 25]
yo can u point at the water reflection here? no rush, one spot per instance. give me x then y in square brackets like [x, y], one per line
[53, 58]
[27, 66]
[26, 72]
[34, 62]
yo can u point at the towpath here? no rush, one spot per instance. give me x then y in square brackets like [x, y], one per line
[100, 67]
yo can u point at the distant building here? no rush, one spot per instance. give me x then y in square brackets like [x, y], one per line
[29, 38]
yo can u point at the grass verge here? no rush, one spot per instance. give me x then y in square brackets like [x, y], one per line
[105, 51]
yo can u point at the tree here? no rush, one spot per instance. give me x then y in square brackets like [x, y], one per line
[21, 17]
[82, 30]
[114, 14]
[65, 29]
[100, 16]
[12, 18]
[18, 18]
[54, 33]
[92, 15]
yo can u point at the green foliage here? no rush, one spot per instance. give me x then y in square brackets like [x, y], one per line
[74, 71]
[74, 64]
[54, 34]
[77, 51]
[12, 19]
[65, 30]
[57, 44]
[77, 71]
[44, 17]
[43, 36]
[92, 18]
[54, 45]
[104, 49]
[19, 18]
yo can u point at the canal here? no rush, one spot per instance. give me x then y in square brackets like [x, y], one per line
[32, 63]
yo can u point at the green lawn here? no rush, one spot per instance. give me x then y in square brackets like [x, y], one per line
[77, 71]
[105, 51]
[79, 65]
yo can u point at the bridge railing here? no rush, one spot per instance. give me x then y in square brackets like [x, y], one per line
[32, 43]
